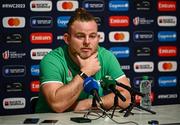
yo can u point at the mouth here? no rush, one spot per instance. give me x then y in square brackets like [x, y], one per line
[86, 49]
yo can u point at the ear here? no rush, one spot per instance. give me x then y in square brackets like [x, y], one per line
[66, 38]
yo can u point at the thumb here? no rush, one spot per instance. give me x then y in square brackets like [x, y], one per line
[78, 58]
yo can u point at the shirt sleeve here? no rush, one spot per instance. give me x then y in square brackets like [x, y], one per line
[114, 68]
[50, 70]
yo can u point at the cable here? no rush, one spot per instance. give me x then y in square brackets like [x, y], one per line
[103, 115]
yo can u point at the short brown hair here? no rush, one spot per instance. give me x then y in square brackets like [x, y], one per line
[80, 15]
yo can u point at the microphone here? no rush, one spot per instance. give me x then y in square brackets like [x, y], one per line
[91, 87]
[131, 90]
[108, 83]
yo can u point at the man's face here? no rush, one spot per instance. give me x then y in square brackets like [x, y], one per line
[83, 38]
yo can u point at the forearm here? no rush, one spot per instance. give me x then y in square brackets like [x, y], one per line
[61, 98]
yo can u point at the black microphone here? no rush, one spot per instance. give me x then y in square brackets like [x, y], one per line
[108, 83]
[91, 87]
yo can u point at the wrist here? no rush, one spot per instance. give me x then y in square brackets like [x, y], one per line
[83, 75]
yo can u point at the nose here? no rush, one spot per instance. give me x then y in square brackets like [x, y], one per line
[86, 41]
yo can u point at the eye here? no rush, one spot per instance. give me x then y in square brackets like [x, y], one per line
[80, 36]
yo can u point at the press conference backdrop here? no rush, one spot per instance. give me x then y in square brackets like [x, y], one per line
[142, 34]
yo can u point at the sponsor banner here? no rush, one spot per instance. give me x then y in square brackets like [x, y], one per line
[119, 36]
[167, 5]
[62, 21]
[13, 5]
[167, 66]
[41, 38]
[93, 5]
[125, 67]
[67, 5]
[137, 81]
[8, 54]
[167, 51]
[14, 70]
[14, 87]
[102, 37]
[118, 5]
[60, 37]
[167, 21]
[120, 52]
[142, 21]
[143, 36]
[118, 21]
[168, 96]
[167, 81]
[38, 54]
[34, 86]
[14, 103]
[12, 38]
[143, 66]
[167, 36]
[41, 5]
[13, 22]
[143, 5]
[41, 21]
[143, 51]
[35, 70]
[99, 21]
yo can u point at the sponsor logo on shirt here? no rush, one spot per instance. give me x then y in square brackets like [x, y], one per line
[167, 51]
[41, 38]
[38, 54]
[119, 36]
[13, 6]
[167, 5]
[143, 51]
[167, 81]
[34, 86]
[67, 5]
[116, 5]
[120, 52]
[142, 21]
[143, 36]
[167, 36]
[13, 22]
[62, 21]
[14, 70]
[13, 55]
[14, 103]
[118, 21]
[35, 70]
[93, 5]
[167, 66]
[41, 6]
[143, 5]
[167, 21]
[138, 80]
[41, 22]
[144, 66]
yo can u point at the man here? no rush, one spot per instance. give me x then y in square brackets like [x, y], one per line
[62, 70]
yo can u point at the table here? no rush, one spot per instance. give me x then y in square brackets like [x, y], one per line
[164, 114]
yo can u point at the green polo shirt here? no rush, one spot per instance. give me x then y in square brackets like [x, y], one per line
[57, 66]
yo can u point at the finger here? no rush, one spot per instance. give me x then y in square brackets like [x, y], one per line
[78, 58]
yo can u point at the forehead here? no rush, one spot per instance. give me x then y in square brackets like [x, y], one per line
[84, 26]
